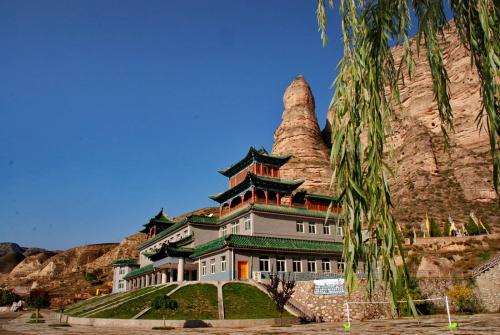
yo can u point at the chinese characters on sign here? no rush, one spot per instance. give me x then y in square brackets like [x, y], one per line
[329, 286]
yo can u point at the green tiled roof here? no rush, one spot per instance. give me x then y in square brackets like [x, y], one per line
[177, 225]
[267, 243]
[322, 197]
[294, 210]
[254, 155]
[251, 179]
[125, 262]
[139, 271]
[202, 219]
[161, 221]
[162, 234]
[239, 211]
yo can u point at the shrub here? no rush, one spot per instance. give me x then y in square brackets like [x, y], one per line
[90, 277]
[8, 297]
[164, 303]
[463, 297]
[434, 229]
[422, 307]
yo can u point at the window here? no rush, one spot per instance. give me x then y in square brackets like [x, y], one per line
[212, 266]
[178, 236]
[311, 266]
[300, 226]
[297, 265]
[325, 265]
[203, 268]
[222, 263]
[326, 229]
[340, 231]
[280, 264]
[223, 231]
[340, 267]
[122, 271]
[312, 228]
[248, 222]
[121, 284]
[264, 263]
[235, 228]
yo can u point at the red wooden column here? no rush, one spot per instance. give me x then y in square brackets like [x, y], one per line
[291, 200]
[265, 192]
[278, 202]
[220, 210]
[242, 199]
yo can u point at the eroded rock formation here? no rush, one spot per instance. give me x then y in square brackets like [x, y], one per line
[299, 135]
[427, 178]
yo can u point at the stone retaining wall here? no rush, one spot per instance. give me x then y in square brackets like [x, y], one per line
[331, 308]
[488, 289]
[148, 324]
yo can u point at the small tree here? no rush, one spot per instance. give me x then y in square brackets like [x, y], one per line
[38, 299]
[163, 303]
[7, 297]
[281, 290]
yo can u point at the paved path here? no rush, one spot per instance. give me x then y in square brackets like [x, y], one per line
[475, 324]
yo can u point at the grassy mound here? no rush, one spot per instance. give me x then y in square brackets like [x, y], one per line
[196, 302]
[243, 301]
[131, 308]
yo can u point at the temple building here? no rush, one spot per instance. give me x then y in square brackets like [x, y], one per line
[264, 224]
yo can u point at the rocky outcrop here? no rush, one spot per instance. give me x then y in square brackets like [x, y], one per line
[31, 264]
[63, 274]
[428, 178]
[299, 135]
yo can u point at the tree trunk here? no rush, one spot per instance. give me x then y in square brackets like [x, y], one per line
[37, 312]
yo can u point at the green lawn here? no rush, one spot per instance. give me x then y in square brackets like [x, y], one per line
[243, 301]
[196, 302]
[130, 308]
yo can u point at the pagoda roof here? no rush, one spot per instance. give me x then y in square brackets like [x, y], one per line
[255, 155]
[252, 179]
[177, 225]
[171, 250]
[161, 220]
[267, 243]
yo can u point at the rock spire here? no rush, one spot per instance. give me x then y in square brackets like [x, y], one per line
[299, 135]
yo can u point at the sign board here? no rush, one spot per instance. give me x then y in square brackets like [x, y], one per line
[329, 286]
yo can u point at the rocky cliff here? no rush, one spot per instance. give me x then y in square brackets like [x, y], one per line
[299, 135]
[428, 178]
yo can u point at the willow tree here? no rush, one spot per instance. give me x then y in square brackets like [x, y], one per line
[366, 95]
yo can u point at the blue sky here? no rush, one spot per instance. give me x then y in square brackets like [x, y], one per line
[110, 110]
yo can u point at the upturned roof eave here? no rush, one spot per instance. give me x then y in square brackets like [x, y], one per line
[254, 155]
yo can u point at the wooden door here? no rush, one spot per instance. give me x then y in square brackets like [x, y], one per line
[243, 270]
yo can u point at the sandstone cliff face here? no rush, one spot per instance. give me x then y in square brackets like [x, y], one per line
[299, 135]
[427, 178]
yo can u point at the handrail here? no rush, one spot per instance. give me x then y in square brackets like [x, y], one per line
[486, 266]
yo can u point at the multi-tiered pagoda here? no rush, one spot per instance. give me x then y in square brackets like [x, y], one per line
[264, 224]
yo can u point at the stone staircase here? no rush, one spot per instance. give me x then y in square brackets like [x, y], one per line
[293, 306]
[482, 268]
[120, 302]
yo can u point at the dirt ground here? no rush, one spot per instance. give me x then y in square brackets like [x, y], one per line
[15, 324]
